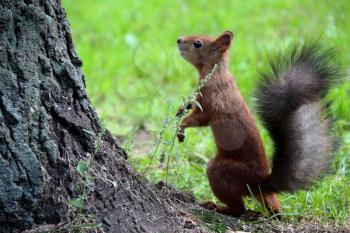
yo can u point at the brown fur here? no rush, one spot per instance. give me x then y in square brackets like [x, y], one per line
[240, 161]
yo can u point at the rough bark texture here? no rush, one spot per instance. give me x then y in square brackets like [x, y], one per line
[47, 125]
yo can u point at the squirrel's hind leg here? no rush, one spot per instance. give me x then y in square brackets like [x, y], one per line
[234, 208]
[227, 180]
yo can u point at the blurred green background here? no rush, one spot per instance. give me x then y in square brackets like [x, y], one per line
[136, 80]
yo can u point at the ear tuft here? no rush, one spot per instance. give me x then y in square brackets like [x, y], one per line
[226, 37]
[229, 32]
[223, 42]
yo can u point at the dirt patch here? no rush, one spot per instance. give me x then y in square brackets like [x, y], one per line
[140, 142]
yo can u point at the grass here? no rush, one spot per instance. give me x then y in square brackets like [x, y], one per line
[136, 80]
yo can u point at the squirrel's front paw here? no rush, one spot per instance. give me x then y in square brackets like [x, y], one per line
[181, 136]
[180, 111]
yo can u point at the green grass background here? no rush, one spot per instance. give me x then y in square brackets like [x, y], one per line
[136, 80]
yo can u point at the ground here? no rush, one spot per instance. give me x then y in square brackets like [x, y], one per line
[136, 80]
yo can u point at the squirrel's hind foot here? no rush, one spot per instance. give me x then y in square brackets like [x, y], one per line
[222, 209]
[209, 205]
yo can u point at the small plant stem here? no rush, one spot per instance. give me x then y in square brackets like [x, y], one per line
[165, 123]
[171, 148]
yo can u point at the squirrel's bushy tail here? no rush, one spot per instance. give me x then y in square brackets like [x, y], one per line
[288, 101]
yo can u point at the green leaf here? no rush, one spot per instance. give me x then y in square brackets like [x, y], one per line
[165, 142]
[83, 167]
[347, 138]
[76, 202]
[162, 157]
[198, 168]
[198, 105]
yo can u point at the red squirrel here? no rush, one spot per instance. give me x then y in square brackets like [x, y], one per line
[288, 103]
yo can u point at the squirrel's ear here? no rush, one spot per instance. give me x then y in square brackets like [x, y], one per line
[223, 42]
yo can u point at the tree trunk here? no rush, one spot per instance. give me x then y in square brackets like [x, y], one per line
[47, 125]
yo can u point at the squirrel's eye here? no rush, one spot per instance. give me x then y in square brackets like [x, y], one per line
[197, 44]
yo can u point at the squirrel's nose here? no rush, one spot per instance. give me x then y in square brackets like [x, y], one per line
[179, 40]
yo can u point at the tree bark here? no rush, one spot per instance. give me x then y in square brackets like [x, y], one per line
[47, 125]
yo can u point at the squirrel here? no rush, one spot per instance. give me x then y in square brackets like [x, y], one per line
[289, 104]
